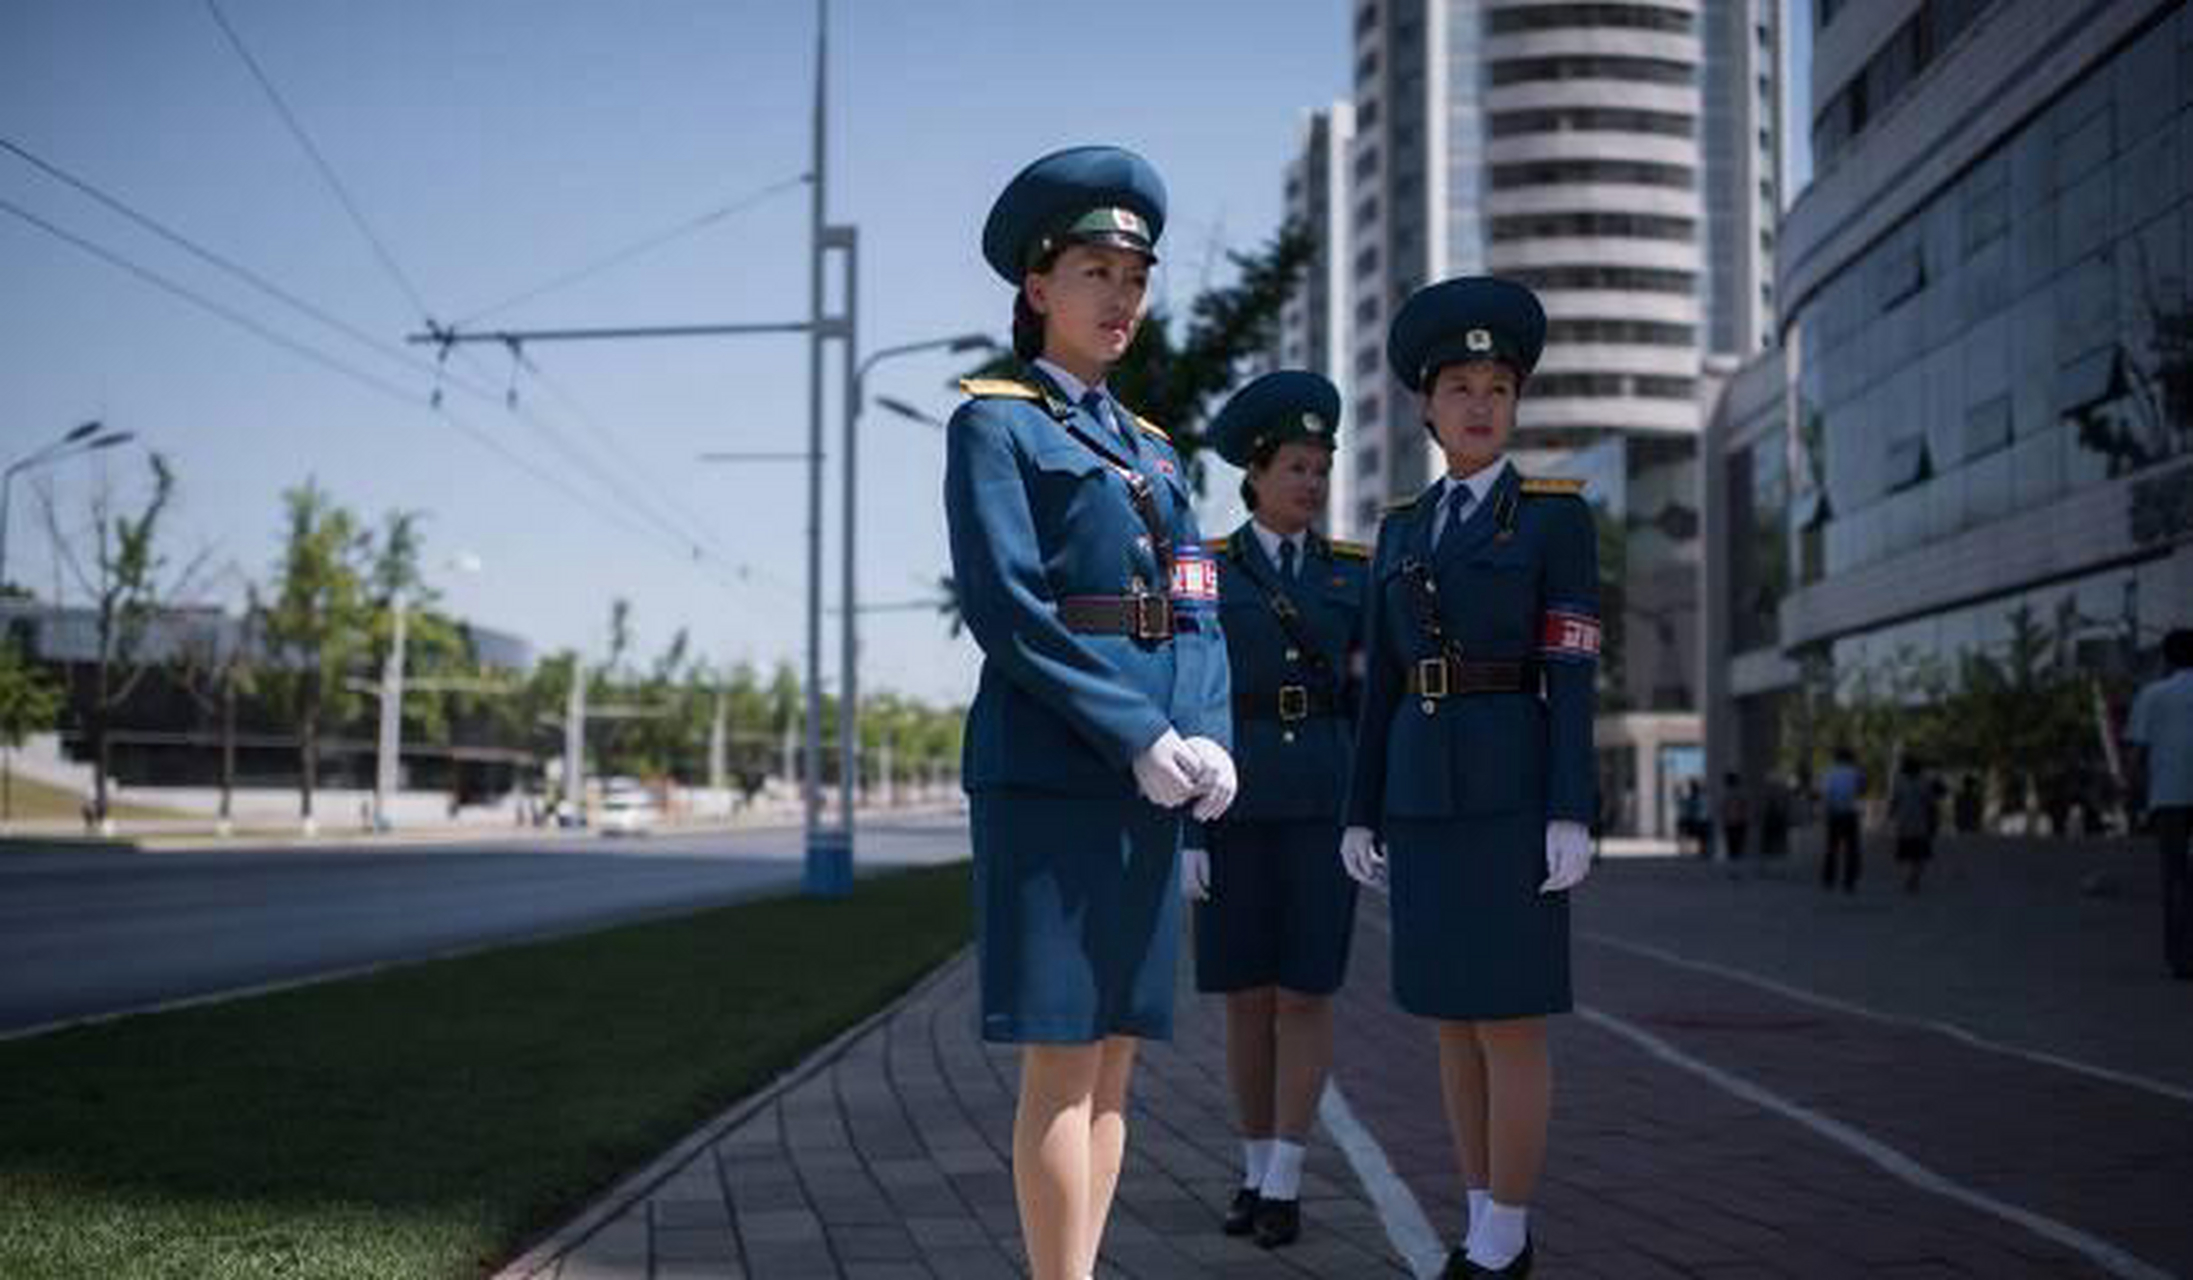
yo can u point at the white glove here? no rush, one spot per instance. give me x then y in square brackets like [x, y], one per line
[1168, 771]
[1568, 856]
[1360, 857]
[1219, 781]
[1195, 874]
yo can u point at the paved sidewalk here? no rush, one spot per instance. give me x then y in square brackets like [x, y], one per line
[1760, 1080]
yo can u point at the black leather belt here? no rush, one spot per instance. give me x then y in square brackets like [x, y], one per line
[1452, 677]
[1149, 618]
[1290, 702]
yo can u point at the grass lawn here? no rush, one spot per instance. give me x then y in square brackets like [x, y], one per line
[429, 1121]
[31, 800]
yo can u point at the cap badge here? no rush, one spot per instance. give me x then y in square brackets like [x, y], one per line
[1313, 423]
[1478, 340]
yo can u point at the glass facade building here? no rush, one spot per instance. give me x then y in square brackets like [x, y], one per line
[1982, 406]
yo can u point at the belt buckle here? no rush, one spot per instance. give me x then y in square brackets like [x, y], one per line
[1294, 702]
[1153, 617]
[1431, 677]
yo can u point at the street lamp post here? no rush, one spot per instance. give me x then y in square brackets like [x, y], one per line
[85, 437]
[849, 658]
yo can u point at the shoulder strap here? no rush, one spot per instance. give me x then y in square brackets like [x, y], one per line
[1283, 611]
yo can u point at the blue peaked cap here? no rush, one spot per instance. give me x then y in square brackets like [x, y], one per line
[1082, 195]
[1291, 404]
[1466, 318]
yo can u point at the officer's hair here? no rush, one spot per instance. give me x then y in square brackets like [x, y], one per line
[2178, 648]
[1027, 321]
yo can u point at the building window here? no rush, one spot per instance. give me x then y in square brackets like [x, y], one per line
[1543, 173]
[1554, 17]
[1651, 333]
[1366, 20]
[1630, 279]
[1629, 226]
[1670, 124]
[1509, 71]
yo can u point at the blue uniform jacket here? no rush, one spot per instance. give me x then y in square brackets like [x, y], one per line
[1298, 769]
[1035, 515]
[1519, 579]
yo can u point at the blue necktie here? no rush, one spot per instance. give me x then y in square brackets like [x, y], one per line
[1286, 560]
[1094, 403]
[1453, 510]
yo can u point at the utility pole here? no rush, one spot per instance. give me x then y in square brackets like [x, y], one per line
[392, 715]
[828, 854]
[574, 742]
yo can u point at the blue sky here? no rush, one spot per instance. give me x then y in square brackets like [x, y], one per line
[495, 145]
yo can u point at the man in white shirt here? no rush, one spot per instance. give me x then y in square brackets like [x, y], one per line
[2160, 731]
[1841, 788]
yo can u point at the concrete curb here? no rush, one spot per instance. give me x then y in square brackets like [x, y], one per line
[544, 1253]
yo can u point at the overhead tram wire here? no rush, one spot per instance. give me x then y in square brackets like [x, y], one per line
[387, 259]
[634, 250]
[345, 369]
[687, 538]
[327, 171]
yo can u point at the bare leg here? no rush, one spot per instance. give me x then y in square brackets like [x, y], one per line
[1250, 1049]
[1051, 1154]
[1305, 1053]
[1519, 1099]
[1462, 1085]
[1107, 1144]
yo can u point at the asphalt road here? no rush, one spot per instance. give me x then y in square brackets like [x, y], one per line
[87, 934]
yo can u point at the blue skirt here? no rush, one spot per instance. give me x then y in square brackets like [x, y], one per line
[1473, 938]
[1077, 916]
[1281, 910]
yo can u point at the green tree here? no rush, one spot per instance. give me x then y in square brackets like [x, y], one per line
[30, 702]
[123, 581]
[317, 624]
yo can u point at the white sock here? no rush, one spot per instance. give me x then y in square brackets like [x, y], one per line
[1479, 1199]
[1283, 1176]
[1496, 1243]
[1256, 1157]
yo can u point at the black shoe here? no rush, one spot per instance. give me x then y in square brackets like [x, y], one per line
[1518, 1266]
[1459, 1267]
[1278, 1222]
[1241, 1214]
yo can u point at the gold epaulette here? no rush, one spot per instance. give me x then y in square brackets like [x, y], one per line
[1149, 426]
[1396, 508]
[994, 388]
[1550, 484]
[1349, 550]
[1216, 544]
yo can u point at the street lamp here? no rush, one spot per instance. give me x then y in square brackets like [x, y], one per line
[909, 412]
[85, 437]
[836, 872]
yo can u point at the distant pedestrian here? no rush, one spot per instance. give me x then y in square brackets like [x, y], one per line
[1970, 805]
[1774, 821]
[1690, 819]
[1840, 790]
[2160, 731]
[1735, 815]
[1912, 808]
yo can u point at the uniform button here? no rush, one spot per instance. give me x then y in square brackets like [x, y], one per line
[1294, 655]
[1287, 736]
[1428, 706]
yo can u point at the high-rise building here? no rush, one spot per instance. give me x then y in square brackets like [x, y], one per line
[1978, 431]
[1313, 328]
[1620, 159]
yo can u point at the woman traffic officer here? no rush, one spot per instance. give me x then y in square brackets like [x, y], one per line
[1102, 707]
[1274, 911]
[1473, 763]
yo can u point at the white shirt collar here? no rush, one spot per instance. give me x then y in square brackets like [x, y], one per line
[1480, 483]
[1074, 387]
[1270, 541]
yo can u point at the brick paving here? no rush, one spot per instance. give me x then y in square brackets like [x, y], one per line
[1678, 1148]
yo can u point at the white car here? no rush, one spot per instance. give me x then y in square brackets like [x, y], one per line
[628, 811]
